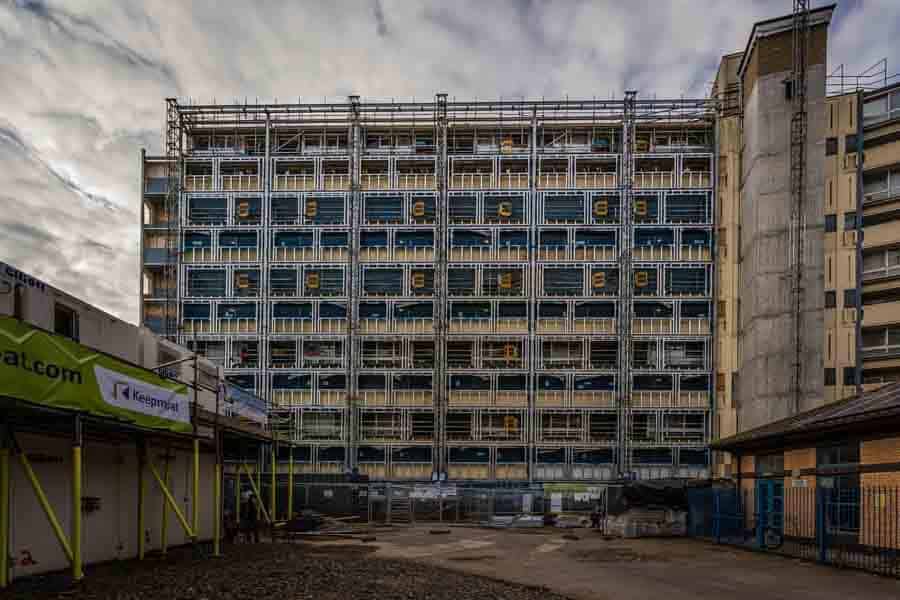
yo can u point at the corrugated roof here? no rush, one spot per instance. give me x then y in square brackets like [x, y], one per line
[873, 405]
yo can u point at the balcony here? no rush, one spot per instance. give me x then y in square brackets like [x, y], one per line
[553, 180]
[654, 179]
[198, 183]
[513, 180]
[375, 181]
[696, 179]
[240, 183]
[158, 256]
[156, 185]
[416, 181]
[472, 180]
[290, 183]
[336, 181]
[596, 180]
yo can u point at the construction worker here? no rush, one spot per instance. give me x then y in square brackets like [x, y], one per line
[250, 518]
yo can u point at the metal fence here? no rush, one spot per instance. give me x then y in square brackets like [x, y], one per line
[830, 521]
[409, 503]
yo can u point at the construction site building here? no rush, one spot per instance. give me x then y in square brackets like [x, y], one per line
[515, 291]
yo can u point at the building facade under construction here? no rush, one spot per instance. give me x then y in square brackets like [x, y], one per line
[465, 291]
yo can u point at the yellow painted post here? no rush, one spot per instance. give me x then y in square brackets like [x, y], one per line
[142, 493]
[237, 492]
[195, 493]
[45, 504]
[77, 572]
[164, 532]
[172, 503]
[217, 509]
[4, 517]
[272, 499]
[290, 494]
[259, 505]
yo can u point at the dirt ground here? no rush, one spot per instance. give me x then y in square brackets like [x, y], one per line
[596, 569]
[467, 563]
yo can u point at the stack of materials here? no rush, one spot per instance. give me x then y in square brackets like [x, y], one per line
[647, 509]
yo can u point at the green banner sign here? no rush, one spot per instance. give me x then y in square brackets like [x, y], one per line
[47, 369]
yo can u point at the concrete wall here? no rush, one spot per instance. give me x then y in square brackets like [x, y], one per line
[766, 339]
[728, 147]
[111, 475]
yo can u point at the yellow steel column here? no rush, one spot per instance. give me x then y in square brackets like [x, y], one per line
[142, 493]
[77, 572]
[195, 493]
[217, 499]
[172, 503]
[290, 494]
[45, 504]
[4, 515]
[237, 492]
[164, 532]
[272, 502]
[259, 504]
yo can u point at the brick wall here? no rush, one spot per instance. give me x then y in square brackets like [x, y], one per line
[800, 493]
[880, 501]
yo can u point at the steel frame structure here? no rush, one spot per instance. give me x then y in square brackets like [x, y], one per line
[509, 160]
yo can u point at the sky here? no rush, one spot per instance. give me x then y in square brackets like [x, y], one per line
[83, 86]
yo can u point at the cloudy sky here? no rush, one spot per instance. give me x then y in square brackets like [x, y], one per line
[83, 84]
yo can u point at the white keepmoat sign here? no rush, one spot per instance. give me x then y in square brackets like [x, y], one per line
[139, 396]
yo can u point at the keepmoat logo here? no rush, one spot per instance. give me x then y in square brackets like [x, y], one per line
[131, 393]
[126, 392]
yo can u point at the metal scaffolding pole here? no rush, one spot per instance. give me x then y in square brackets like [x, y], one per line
[626, 282]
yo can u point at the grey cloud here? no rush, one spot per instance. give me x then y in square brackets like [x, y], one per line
[85, 82]
[380, 22]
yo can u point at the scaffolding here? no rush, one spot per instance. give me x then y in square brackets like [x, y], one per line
[453, 289]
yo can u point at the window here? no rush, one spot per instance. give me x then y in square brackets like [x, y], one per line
[65, 321]
[881, 341]
[831, 146]
[770, 464]
[841, 492]
[830, 376]
[882, 109]
[881, 186]
[830, 299]
[881, 218]
[850, 298]
[849, 375]
[206, 282]
[830, 223]
[850, 220]
[850, 143]
[884, 262]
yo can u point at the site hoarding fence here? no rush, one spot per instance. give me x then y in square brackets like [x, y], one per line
[395, 503]
[830, 520]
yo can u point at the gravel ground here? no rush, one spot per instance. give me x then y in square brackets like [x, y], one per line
[279, 571]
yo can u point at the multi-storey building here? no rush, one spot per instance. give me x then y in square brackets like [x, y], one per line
[862, 241]
[517, 291]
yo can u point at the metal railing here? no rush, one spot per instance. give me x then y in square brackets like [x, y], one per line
[240, 183]
[472, 180]
[294, 182]
[198, 183]
[553, 180]
[654, 179]
[335, 181]
[808, 517]
[696, 179]
[514, 180]
[595, 180]
[416, 181]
